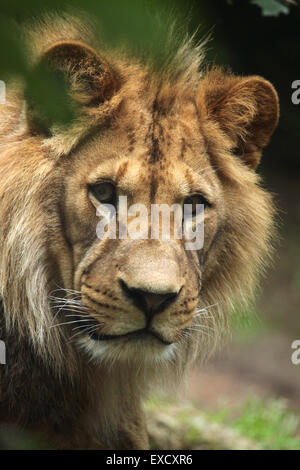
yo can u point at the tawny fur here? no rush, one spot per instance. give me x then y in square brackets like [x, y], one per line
[155, 134]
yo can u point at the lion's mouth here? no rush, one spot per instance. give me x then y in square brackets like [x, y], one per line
[135, 335]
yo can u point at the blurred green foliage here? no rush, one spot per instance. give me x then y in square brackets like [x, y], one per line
[271, 7]
[269, 422]
[245, 323]
[144, 28]
[14, 438]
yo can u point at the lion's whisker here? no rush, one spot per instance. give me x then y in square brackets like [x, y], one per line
[83, 330]
[201, 331]
[71, 310]
[202, 326]
[69, 322]
[64, 289]
[205, 308]
[202, 315]
[76, 299]
[70, 304]
[77, 315]
[62, 304]
[75, 307]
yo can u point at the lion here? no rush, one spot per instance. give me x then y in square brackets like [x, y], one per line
[92, 324]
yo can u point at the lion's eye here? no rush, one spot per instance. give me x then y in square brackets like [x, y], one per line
[194, 200]
[105, 192]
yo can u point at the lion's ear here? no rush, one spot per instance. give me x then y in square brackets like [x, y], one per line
[246, 109]
[89, 79]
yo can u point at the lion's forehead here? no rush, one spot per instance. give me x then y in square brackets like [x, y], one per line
[164, 134]
[152, 151]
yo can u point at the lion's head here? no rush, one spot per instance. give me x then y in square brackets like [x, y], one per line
[182, 136]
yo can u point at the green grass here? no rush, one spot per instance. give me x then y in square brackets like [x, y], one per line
[246, 323]
[268, 422]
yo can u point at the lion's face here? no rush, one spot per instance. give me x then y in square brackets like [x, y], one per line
[175, 139]
[141, 294]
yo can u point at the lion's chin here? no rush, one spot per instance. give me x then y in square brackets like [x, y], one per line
[140, 348]
[140, 335]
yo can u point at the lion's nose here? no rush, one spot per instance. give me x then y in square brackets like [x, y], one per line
[149, 302]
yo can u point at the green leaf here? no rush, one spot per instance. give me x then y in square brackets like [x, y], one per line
[271, 7]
